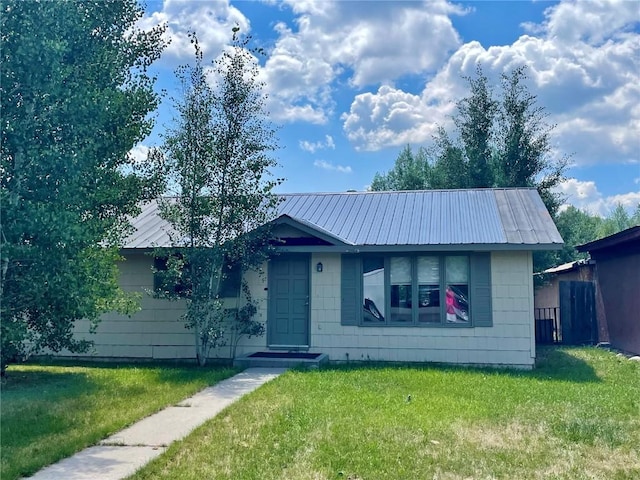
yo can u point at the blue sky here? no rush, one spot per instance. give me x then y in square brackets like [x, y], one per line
[352, 82]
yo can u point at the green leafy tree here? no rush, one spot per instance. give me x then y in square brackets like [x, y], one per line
[450, 170]
[523, 148]
[577, 227]
[410, 172]
[475, 125]
[75, 100]
[635, 218]
[498, 143]
[504, 142]
[617, 221]
[218, 157]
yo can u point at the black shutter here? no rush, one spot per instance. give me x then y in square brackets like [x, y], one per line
[481, 309]
[351, 295]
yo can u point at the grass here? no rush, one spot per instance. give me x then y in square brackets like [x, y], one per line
[52, 411]
[575, 416]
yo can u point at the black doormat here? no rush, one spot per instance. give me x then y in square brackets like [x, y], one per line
[301, 355]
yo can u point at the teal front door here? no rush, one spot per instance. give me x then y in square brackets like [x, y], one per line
[288, 316]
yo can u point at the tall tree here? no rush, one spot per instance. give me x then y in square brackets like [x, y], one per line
[499, 143]
[410, 172]
[450, 170]
[504, 142]
[475, 124]
[75, 99]
[523, 150]
[219, 158]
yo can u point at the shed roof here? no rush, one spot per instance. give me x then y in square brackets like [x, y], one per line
[628, 236]
[567, 267]
[513, 218]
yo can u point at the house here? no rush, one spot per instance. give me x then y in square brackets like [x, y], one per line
[617, 277]
[420, 276]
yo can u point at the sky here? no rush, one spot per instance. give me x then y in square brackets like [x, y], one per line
[350, 83]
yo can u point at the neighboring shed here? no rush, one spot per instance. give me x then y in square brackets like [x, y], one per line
[547, 300]
[617, 274]
[423, 276]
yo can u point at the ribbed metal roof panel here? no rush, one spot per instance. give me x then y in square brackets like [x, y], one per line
[432, 217]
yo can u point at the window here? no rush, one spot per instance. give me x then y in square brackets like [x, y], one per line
[231, 280]
[401, 289]
[168, 278]
[416, 290]
[373, 290]
[428, 289]
[457, 289]
[173, 281]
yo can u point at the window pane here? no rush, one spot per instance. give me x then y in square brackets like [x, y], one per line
[429, 270]
[457, 292]
[231, 280]
[170, 277]
[400, 274]
[429, 289]
[400, 271]
[457, 269]
[373, 289]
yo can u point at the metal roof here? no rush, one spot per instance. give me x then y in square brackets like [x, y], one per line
[502, 218]
[628, 236]
[567, 267]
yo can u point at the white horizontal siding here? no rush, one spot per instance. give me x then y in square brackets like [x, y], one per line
[156, 332]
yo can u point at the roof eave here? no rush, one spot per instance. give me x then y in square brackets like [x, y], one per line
[420, 248]
[310, 228]
[611, 241]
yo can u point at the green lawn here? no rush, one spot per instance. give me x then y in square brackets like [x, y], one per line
[576, 416]
[49, 412]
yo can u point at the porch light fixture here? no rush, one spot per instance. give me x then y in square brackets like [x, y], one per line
[319, 267]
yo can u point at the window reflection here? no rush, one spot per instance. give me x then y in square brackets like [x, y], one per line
[373, 289]
[400, 276]
[457, 290]
[428, 289]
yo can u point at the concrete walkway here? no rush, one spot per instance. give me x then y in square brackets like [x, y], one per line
[125, 452]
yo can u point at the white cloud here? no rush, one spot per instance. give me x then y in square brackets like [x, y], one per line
[392, 117]
[212, 21]
[592, 21]
[330, 166]
[371, 41]
[585, 196]
[139, 154]
[312, 147]
[584, 67]
[336, 40]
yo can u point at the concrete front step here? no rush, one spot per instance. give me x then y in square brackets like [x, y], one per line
[280, 360]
